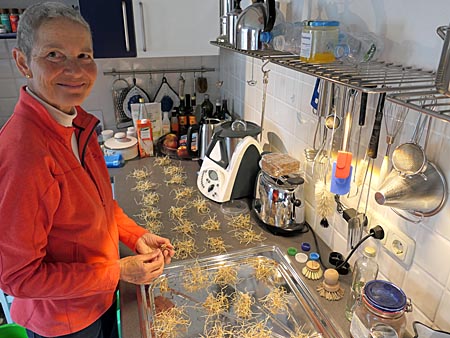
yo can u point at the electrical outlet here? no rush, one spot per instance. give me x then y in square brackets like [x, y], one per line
[399, 245]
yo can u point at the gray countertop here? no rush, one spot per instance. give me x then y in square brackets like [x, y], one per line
[128, 198]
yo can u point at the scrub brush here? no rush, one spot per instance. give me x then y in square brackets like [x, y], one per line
[312, 270]
[324, 202]
[330, 287]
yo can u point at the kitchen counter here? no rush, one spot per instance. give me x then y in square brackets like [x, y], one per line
[128, 198]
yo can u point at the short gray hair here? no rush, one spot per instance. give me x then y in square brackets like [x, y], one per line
[35, 15]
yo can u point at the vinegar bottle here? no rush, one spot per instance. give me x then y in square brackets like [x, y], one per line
[365, 270]
[165, 123]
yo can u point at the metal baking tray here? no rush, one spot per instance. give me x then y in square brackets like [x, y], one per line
[300, 313]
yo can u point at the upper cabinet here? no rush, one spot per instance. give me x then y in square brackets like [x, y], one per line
[112, 27]
[166, 28]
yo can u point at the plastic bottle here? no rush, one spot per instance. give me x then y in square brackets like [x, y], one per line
[356, 48]
[286, 37]
[364, 270]
[165, 123]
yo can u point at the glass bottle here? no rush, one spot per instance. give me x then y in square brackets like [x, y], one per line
[182, 122]
[143, 113]
[165, 123]
[207, 108]
[365, 270]
[225, 113]
[174, 126]
[217, 113]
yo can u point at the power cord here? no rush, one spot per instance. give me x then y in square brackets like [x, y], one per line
[376, 232]
[340, 265]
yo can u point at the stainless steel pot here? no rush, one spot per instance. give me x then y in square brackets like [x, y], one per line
[443, 71]
[278, 201]
[253, 20]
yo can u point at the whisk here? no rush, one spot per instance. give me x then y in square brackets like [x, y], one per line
[394, 117]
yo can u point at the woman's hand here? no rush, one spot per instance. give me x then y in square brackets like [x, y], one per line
[149, 242]
[141, 269]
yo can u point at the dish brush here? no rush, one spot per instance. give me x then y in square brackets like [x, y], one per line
[312, 270]
[330, 288]
[324, 202]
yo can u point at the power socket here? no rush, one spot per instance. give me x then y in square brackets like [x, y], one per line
[399, 245]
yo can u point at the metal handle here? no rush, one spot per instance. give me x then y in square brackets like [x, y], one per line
[125, 26]
[372, 151]
[442, 31]
[144, 39]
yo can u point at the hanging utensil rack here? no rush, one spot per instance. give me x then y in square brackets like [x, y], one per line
[114, 72]
[406, 86]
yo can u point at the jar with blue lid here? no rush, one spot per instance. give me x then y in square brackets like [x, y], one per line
[319, 38]
[380, 312]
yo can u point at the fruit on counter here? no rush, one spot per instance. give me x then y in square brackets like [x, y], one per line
[182, 151]
[171, 141]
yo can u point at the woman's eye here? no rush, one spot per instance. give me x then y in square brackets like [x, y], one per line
[55, 56]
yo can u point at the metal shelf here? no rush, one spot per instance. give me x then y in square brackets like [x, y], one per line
[411, 87]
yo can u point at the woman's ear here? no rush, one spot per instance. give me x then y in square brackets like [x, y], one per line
[21, 62]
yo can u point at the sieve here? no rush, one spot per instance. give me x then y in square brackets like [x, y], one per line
[409, 158]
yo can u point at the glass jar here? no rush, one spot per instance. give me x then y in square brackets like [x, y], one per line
[380, 311]
[319, 39]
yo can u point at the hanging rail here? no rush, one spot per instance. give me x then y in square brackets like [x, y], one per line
[114, 72]
[403, 85]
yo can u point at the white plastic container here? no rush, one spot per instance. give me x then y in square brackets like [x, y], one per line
[121, 144]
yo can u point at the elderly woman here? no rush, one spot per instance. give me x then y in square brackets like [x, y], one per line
[59, 223]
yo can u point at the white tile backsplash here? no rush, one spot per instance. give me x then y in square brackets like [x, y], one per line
[292, 121]
[425, 292]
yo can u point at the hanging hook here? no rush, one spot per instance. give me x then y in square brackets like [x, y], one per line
[265, 64]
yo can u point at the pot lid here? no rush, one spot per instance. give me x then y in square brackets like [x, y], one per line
[237, 129]
[120, 141]
[385, 296]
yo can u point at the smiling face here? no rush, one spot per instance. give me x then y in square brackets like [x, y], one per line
[61, 70]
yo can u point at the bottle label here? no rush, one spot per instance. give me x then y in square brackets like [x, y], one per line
[370, 53]
[192, 120]
[145, 139]
[182, 120]
[305, 51]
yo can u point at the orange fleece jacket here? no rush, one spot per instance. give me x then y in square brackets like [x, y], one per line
[59, 223]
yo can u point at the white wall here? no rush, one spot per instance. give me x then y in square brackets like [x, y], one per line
[408, 29]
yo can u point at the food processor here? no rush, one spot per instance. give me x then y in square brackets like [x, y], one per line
[230, 166]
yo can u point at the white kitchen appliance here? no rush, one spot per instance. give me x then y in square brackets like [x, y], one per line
[227, 174]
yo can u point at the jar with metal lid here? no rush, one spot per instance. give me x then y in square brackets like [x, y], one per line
[318, 41]
[380, 311]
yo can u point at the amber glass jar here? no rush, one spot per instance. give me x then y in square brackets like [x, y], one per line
[380, 311]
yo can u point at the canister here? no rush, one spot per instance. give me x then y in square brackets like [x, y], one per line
[319, 39]
[380, 312]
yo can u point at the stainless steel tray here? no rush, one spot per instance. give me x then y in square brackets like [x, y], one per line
[300, 313]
